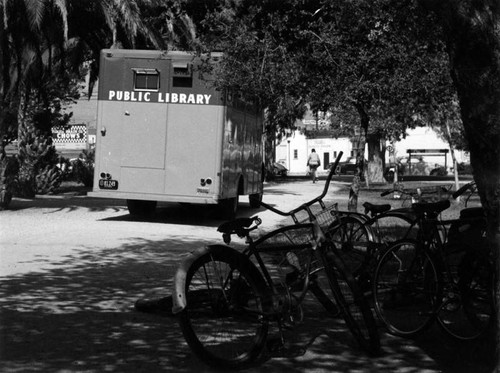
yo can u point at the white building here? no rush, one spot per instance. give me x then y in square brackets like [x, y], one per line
[294, 150]
[427, 138]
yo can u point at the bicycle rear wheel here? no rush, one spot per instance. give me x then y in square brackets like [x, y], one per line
[223, 322]
[351, 301]
[406, 288]
[352, 238]
[471, 313]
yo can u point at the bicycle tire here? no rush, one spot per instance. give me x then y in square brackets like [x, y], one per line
[353, 306]
[406, 289]
[472, 313]
[352, 239]
[395, 225]
[223, 322]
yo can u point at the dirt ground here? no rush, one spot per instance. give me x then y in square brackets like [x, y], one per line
[71, 268]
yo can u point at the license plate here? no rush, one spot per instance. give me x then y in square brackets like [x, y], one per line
[108, 184]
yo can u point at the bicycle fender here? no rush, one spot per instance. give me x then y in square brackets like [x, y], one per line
[179, 294]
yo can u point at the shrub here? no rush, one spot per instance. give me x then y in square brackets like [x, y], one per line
[464, 169]
[36, 155]
[66, 168]
[83, 168]
[48, 180]
[439, 171]
[8, 172]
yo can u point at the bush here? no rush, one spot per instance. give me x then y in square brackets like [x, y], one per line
[439, 171]
[83, 168]
[66, 168]
[48, 180]
[37, 155]
[8, 172]
[464, 169]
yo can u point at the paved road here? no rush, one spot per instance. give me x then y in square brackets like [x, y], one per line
[71, 268]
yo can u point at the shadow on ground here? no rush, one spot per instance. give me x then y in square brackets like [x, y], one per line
[78, 316]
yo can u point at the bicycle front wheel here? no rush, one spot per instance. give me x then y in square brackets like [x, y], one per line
[223, 322]
[353, 305]
[406, 289]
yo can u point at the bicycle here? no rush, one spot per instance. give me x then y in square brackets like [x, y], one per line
[409, 196]
[437, 277]
[226, 299]
[362, 238]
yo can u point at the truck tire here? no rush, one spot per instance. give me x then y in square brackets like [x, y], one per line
[228, 207]
[141, 208]
[255, 200]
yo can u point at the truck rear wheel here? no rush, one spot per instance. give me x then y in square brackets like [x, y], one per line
[229, 207]
[141, 208]
[255, 200]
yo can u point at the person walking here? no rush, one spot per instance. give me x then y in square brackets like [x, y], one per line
[313, 163]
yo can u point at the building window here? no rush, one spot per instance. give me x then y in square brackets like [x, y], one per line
[295, 154]
[146, 80]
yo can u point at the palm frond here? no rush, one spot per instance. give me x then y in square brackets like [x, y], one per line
[35, 10]
[60, 5]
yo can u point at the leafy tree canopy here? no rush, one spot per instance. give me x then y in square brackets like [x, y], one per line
[380, 58]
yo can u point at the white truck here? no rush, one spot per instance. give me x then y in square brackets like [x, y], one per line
[164, 133]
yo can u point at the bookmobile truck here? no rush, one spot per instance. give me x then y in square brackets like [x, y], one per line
[164, 133]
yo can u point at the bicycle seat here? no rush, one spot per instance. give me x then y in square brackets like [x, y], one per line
[375, 209]
[431, 207]
[237, 226]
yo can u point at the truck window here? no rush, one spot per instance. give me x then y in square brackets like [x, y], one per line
[146, 80]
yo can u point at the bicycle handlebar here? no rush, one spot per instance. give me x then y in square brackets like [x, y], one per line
[402, 191]
[463, 189]
[311, 202]
[383, 194]
[418, 191]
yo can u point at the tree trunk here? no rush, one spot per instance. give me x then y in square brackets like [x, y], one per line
[375, 167]
[471, 32]
[352, 203]
[453, 157]
[359, 153]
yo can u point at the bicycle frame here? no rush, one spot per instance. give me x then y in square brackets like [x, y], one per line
[311, 246]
